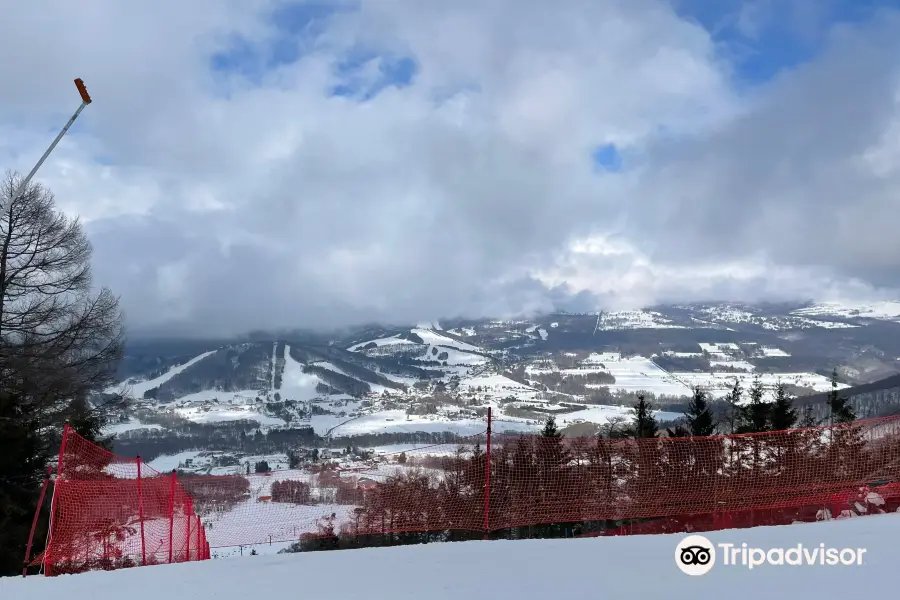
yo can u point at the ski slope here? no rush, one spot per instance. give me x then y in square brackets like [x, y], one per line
[611, 568]
[137, 389]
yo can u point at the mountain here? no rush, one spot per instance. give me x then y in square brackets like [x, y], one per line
[385, 385]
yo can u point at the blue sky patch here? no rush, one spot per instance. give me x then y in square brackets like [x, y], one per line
[296, 26]
[607, 158]
[355, 78]
[762, 38]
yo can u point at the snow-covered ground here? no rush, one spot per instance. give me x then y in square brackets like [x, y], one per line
[634, 319]
[130, 425]
[888, 310]
[388, 341]
[138, 389]
[719, 384]
[433, 338]
[615, 568]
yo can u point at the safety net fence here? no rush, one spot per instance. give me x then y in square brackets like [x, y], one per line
[111, 512]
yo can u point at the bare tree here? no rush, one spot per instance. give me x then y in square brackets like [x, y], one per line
[60, 340]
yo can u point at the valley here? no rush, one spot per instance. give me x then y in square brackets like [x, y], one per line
[436, 381]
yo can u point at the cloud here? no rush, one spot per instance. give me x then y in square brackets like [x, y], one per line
[261, 164]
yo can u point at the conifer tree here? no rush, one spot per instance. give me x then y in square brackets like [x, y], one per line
[755, 416]
[552, 458]
[734, 398]
[838, 404]
[699, 417]
[644, 423]
[783, 414]
[22, 469]
[550, 430]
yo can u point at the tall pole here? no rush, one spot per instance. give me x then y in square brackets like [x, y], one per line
[85, 100]
[171, 514]
[140, 491]
[487, 479]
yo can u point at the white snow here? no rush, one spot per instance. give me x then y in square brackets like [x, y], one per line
[719, 384]
[543, 333]
[295, 384]
[615, 568]
[733, 364]
[871, 310]
[139, 388]
[169, 462]
[221, 414]
[434, 338]
[633, 319]
[773, 352]
[396, 421]
[130, 425]
[388, 341]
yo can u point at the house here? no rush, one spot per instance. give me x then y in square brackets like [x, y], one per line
[264, 499]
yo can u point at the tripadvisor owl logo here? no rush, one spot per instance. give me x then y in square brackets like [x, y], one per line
[695, 555]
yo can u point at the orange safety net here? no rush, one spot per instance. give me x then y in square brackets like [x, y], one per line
[110, 512]
[526, 485]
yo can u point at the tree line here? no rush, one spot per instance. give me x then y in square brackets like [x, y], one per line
[552, 486]
[61, 341]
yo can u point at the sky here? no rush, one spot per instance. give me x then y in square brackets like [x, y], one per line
[259, 164]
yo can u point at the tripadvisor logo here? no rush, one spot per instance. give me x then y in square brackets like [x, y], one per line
[695, 555]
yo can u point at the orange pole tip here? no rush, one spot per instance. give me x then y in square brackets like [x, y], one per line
[83, 91]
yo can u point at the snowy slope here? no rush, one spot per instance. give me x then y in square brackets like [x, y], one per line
[138, 389]
[434, 338]
[615, 568]
[887, 310]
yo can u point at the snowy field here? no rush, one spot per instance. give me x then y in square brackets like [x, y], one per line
[888, 310]
[615, 568]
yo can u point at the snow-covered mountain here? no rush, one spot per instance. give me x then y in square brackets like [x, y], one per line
[441, 377]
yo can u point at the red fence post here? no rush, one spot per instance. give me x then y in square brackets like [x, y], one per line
[487, 479]
[171, 515]
[141, 511]
[188, 511]
[199, 538]
[48, 562]
[34, 522]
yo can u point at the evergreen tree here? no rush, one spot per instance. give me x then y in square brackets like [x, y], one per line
[847, 452]
[839, 405]
[808, 417]
[733, 399]
[699, 417]
[755, 416]
[783, 419]
[644, 423]
[89, 422]
[551, 458]
[783, 415]
[23, 464]
[550, 430]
